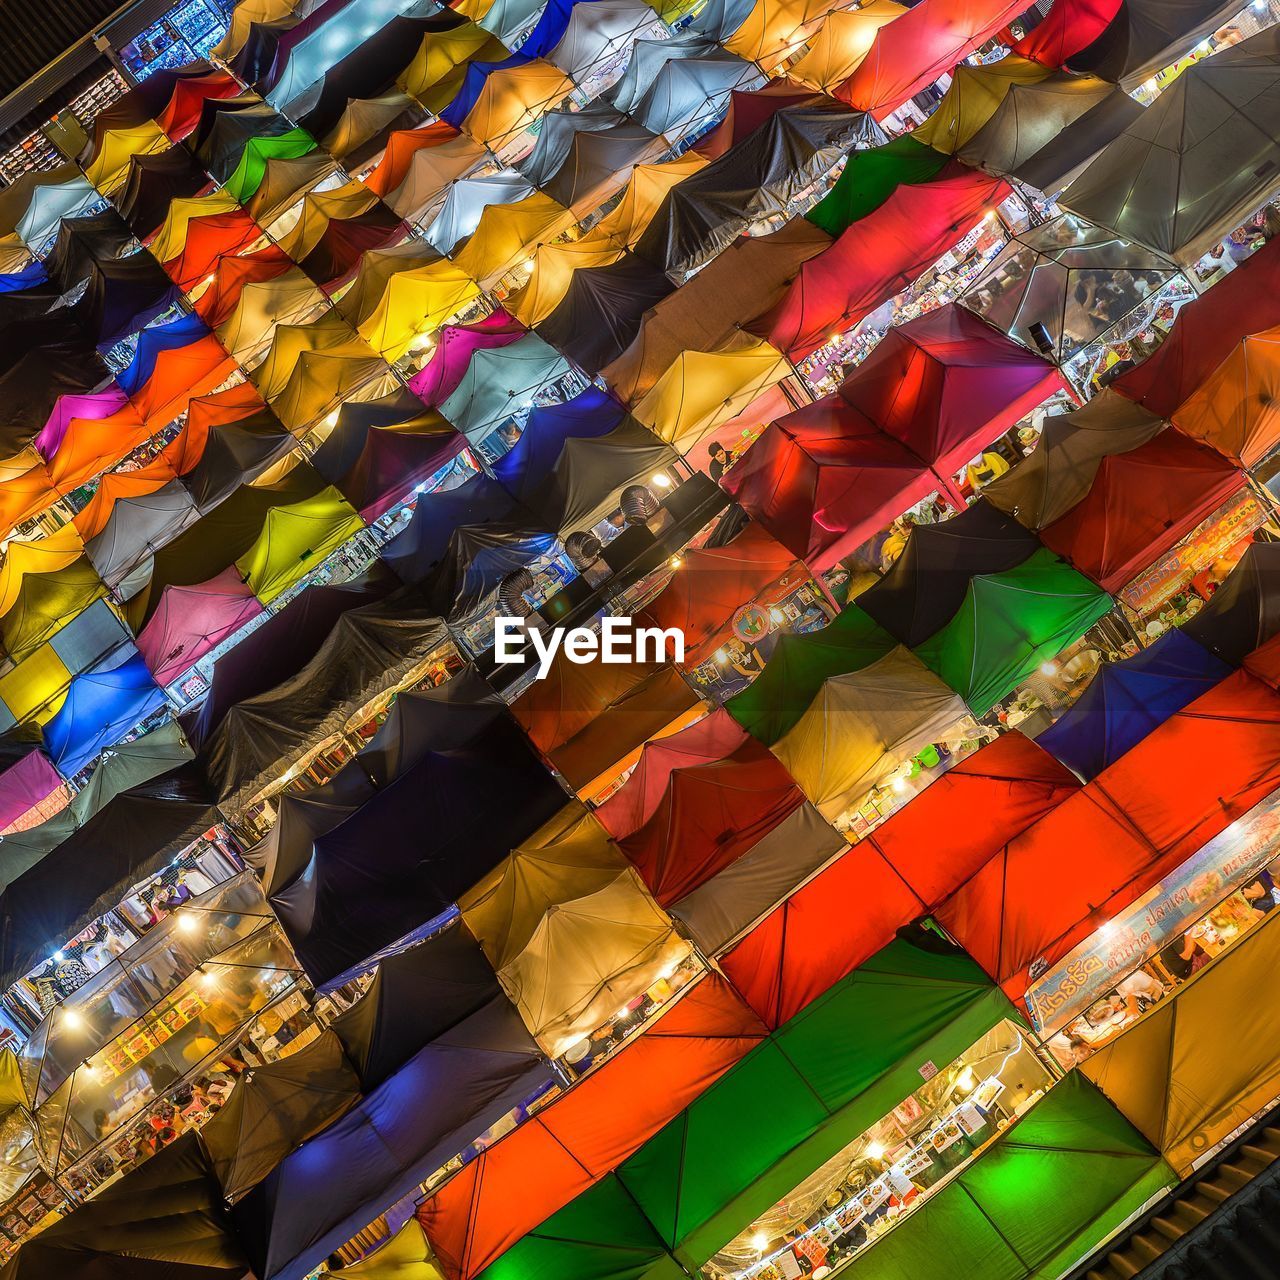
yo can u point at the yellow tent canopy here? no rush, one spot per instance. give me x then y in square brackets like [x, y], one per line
[171, 239]
[648, 188]
[972, 100]
[243, 16]
[365, 118]
[441, 51]
[290, 341]
[14, 254]
[509, 233]
[416, 303]
[407, 1256]
[862, 726]
[775, 29]
[842, 43]
[44, 555]
[359, 300]
[319, 208]
[431, 170]
[291, 298]
[322, 381]
[35, 688]
[110, 166]
[1184, 1075]
[553, 268]
[568, 857]
[513, 99]
[295, 540]
[703, 389]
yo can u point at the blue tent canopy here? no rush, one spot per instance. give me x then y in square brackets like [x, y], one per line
[101, 706]
[1129, 699]
[30, 276]
[151, 342]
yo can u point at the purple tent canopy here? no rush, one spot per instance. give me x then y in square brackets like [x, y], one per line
[456, 344]
[192, 621]
[25, 785]
[97, 405]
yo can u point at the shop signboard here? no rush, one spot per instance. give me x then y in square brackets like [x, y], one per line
[1230, 859]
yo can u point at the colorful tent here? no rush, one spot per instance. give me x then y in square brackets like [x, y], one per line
[1126, 700]
[1140, 504]
[501, 382]
[1244, 612]
[1009, 623]
[975, 95]
[862, 726]
[452, 351]
[1139, 38]
[843, 41]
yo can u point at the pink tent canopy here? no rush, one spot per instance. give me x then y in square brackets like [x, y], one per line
[191, 621]
[913, 50]
[92, 407]
[438, 379]
[878, 257]
[24, 785]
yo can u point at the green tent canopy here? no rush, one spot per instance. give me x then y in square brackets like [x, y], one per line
[773, 703]
[1009, 624]
[804, 1094]
[870, 177]
[1053, 1186]
[295, 540]
[252, 168]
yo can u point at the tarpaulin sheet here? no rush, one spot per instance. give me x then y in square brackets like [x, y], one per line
[1126, 700]
[597, 164]
[586, 717]
[464, 585]
[862, 726]
[843, 41]
[440, 63]
[711, 583]
[709, 816]
[536, 1170]
[1140, 504]
[408, 1127]
[228, 125]
[688, 94]
[595, 32]
[1244, 612]
[1179, 1076]
[511, 99]
[911, 52]
[377, 267]
[1197, 161]
[878, 256]
[776, 29]
[1009, 623]
[755, 179]
[424, 543]
[401, 147]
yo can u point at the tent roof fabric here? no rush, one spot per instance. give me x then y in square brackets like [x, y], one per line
[1199, 155]
[1139, 505]
[1244, 612]
[1009, 623]
[1059, 473]
[1127, 700]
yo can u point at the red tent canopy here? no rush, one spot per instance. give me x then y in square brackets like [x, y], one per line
[1140, 505]
[705, 741]
[823, 479]
[1072, 25]
[586, 717]
[906, 867]
[878, 257]
[913, 50]
[748, 110]
[180, 374]
[712, 583]
[231, 275]
[402, 146]
[948, 383]
[209, 239]
[1246, 301]
[182, 112]
[1062, 878]
[517, 1184]
[709, 816]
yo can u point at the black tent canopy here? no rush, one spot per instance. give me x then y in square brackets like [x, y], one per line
[1244, 612]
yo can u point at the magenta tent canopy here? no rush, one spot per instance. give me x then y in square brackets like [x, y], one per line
[96, 405]
[193, 621]
[438, 379]
[25, 785]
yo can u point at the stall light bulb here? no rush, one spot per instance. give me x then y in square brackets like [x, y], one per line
[875, 1150]
[208, 977]
[722, 657]
[1049, 668]
[967, 1081]
[777, 617]
[675, 562]
[660, 480]
[72, 1020]
[187, 923]
[58, 957]
[88, 1066]
[759, 1242]
[332, 419]
[899, 785]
